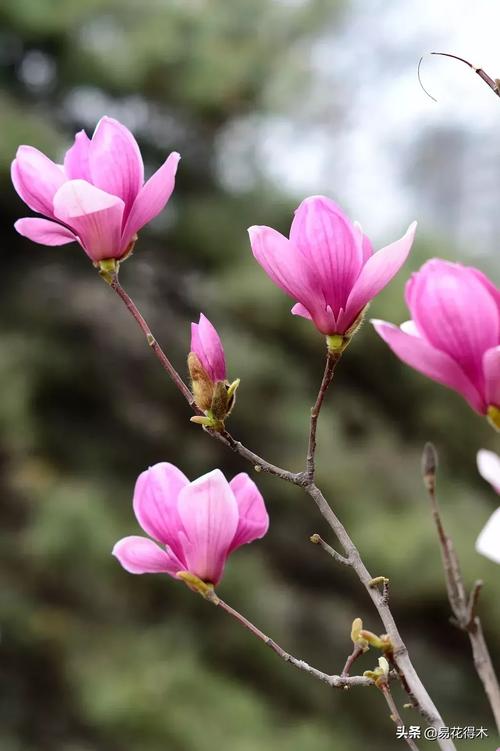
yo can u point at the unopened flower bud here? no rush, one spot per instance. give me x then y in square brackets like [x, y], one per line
[213, 394]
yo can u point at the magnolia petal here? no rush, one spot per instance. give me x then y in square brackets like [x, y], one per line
[488, 542]
[488, 464]
[152, 198]
[44, 231]
[36, 179]
[456, 313]
[76, 160]
[115, 161]
[299, 310]
[433, 363]
[377, 272]
[253, 518]
[409, 327]
[292, 272]
[95, 216]
[333, 247]
[491, 370]
[206, 343]
[155, 503]
[209, 514]
[138, 555]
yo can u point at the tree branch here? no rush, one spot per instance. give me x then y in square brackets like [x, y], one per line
[416, 689]
[463, 606]
[334, 681]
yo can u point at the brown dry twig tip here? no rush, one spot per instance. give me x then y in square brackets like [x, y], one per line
[493, 83]
[462, 605]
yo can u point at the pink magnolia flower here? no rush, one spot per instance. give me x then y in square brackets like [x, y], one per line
[454, 334]
[327, 265]
[206, 344]
[97, 197]
[196, 525]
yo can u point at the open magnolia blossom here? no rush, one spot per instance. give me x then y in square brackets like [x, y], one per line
[195, 525]
[328, 264]
[207, 367]
[454, 333]
[488, 542]
[97, 198]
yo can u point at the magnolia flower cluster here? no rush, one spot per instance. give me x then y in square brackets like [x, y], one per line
[99, 199]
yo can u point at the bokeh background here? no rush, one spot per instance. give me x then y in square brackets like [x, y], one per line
[267, 101]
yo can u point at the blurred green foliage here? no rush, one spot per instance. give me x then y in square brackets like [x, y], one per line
[92, 659]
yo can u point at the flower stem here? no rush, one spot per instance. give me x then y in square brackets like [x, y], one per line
[160, 354]
[332, 359]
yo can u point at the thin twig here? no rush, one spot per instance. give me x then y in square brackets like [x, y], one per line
[416, 689]
[160, 354]
[332, 359]
[355, 654]
[317, 540]
[395, 716]
[491, 82]
[334, 681]
[463, 606]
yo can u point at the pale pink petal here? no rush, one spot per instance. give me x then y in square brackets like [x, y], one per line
[488, 464]
[488, 542]
[76, 161]
[155, 503]
[95, 216]
[332, 246]
[44, 231]
[299, 310]
[455, 312]
[409, 327]
[116, 162]
[377, 272]
[491, 369]
[206, 343]
[253, 518]
[433, 363]
[152, 198]
[209, 514]
[36, 179]
[138, 555]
